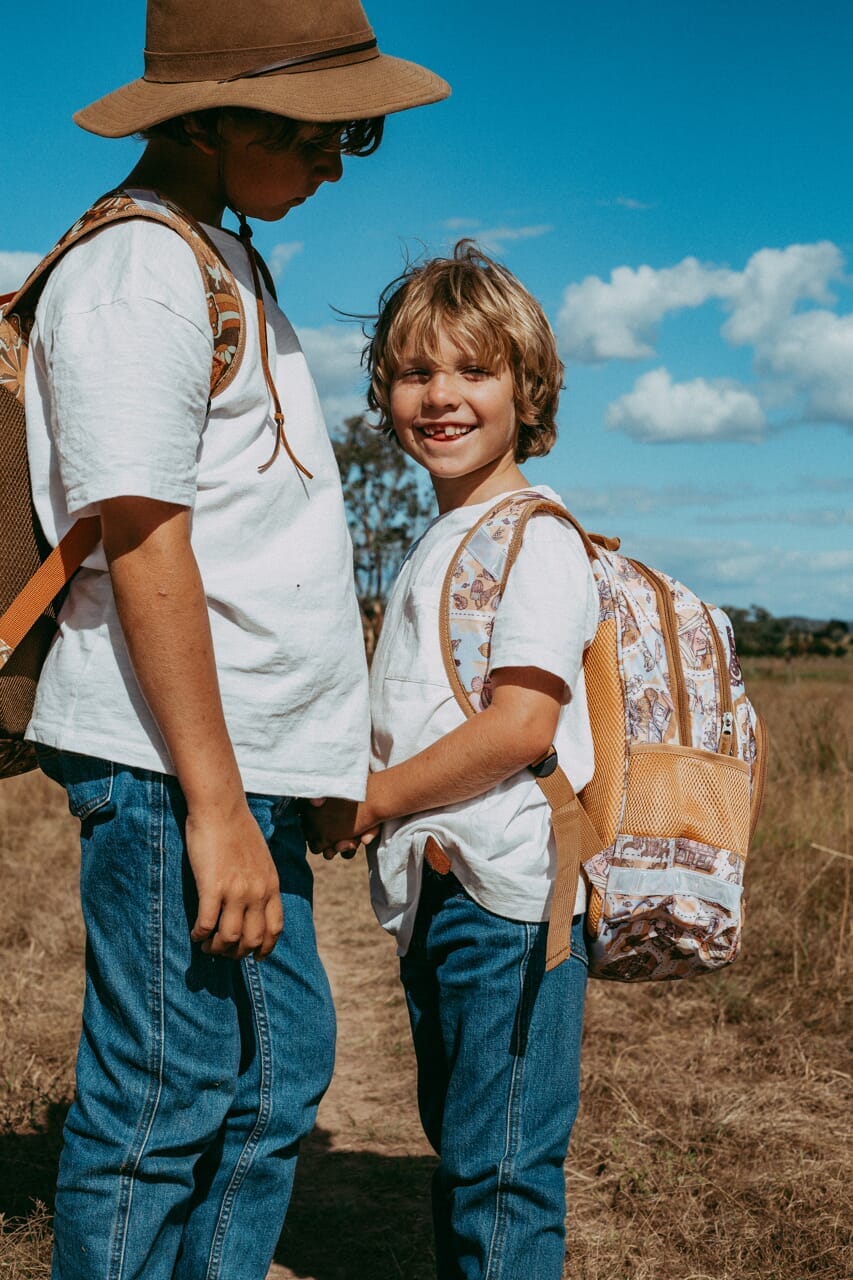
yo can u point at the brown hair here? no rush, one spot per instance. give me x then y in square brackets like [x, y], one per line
[277, 133]
[488, 313]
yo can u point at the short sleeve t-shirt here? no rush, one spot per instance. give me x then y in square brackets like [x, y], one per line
[500, 844]
[117, 404]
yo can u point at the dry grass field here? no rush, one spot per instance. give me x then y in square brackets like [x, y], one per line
[714, 1136]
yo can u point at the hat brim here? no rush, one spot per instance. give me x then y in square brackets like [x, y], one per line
[357, 91]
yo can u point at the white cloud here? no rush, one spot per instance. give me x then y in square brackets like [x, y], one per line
[630, 500]
[625, 202]
[828, 518]
[639, 499]
[763, 296]
[14, 269]
[601, 320]
[818, 584]
[803, 354]
[283, 254]
[628, 202]
[333, 353]
[661, 410]
[616, 320]
[823, 484]
[735, 566]
[810, 355]
[810, 518]
[494, 239]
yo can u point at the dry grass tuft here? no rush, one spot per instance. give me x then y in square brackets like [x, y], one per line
[713, 1140]
[714, 1136]
[25, 1245]
[41, 941]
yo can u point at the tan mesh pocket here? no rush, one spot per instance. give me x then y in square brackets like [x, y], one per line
[602, 796]
[697, 795]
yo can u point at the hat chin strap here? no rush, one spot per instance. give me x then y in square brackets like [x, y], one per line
[281, 441]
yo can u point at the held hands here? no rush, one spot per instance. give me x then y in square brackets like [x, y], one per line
[337, 826]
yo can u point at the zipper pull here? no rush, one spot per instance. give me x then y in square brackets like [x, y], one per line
[727, 734]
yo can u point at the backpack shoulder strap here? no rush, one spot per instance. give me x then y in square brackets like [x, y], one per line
[224, 305]
[227, 322]
[474, 583]
[471, 593]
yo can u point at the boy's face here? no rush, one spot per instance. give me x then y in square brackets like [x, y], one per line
[457, 418]
[266, 182]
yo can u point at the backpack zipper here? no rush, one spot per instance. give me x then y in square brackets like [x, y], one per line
[727, 715]
[760, 778]
[669, 626]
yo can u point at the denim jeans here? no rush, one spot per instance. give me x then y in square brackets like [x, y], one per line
[497, 1041]
[196, 1076]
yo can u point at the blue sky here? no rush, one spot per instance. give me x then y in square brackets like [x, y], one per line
[674, 181]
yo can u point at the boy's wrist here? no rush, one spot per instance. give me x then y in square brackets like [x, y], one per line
[370, 811]
[213, 793]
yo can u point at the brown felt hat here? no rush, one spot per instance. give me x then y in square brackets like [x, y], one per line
[307, 59]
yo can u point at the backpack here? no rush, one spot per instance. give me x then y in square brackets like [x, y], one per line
[34, 577]
[663, 828]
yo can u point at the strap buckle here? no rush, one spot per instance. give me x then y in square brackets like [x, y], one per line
[546, 766]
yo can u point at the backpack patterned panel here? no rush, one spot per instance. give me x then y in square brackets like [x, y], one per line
[665, 898]
[678, 748]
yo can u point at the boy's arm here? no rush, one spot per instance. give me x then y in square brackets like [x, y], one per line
[163, 612]
[514, 731]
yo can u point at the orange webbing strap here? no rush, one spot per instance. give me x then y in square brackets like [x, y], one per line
[544, 506]
[576, 839]
[575, 836]
[48, 580]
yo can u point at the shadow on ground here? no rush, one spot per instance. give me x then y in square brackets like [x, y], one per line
[355, 1215]
[28, 1163]
[358, 1215]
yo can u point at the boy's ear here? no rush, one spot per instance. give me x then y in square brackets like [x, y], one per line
[201, 135]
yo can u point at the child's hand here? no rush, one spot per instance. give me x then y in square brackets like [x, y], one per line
[239, 899]
[336, 827]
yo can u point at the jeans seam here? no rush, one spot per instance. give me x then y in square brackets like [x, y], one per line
[133, 1159]
[512, 1127]
[255, 990]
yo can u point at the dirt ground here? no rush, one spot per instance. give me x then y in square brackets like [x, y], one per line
[714, 1136]
[364, 1174]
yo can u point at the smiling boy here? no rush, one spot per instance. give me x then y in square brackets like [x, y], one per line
[209, 664]
[465, 371]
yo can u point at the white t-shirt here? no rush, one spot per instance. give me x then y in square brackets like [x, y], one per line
[500, 844]
[117, 404]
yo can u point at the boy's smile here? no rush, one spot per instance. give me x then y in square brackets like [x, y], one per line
[456, 417]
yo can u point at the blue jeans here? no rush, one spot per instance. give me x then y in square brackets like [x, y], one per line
[497, 1041]
[196, 1076]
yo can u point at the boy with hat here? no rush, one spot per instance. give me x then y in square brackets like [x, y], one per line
[209, 662]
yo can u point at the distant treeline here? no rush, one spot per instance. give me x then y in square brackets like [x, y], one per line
[758, 634]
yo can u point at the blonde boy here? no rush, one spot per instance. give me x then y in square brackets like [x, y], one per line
[464, 369]
[209, 665]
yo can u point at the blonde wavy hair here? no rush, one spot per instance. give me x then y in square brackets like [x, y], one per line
[488, 314]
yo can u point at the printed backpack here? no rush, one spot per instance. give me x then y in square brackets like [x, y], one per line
[663, 828]
[33, 577]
